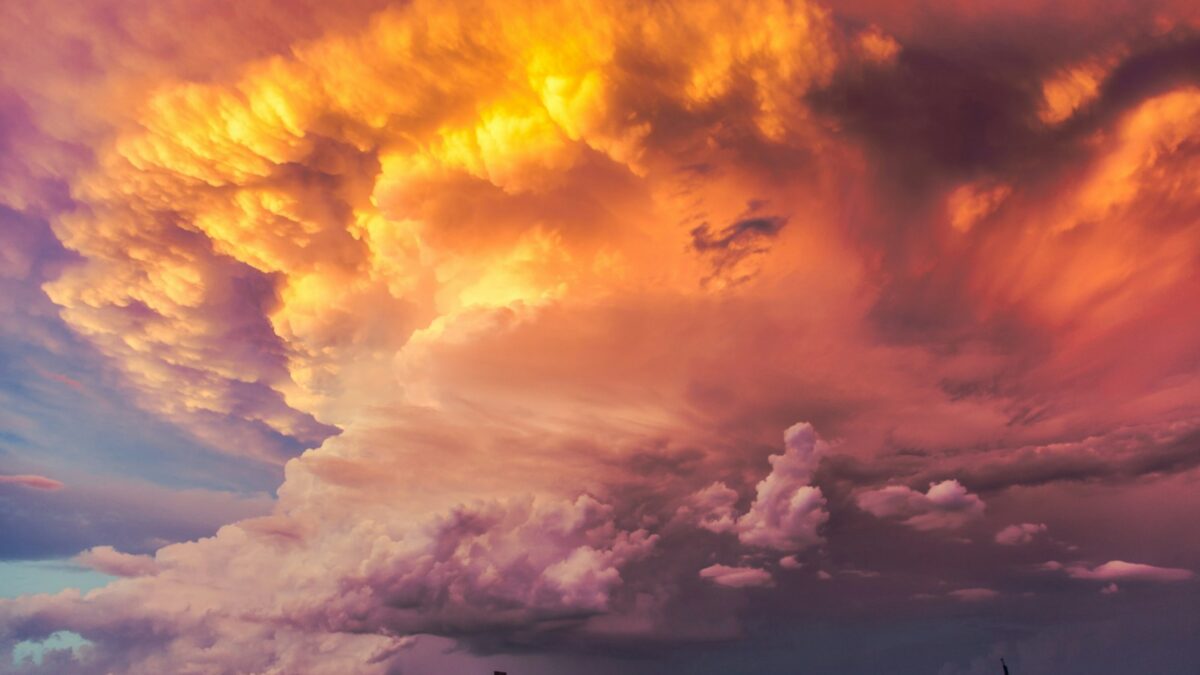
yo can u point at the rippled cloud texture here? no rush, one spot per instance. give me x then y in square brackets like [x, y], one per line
[602, 337]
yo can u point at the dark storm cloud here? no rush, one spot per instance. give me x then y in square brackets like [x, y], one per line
[727, 248]
[1120, 456]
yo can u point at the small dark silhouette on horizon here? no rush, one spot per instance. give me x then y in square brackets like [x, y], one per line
[501, 672]
[1004, 665]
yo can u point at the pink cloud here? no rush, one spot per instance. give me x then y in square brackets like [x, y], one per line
[1119, 570]
[787, 511]
[490, 566]
[946, 505]
[790, 562]
[712, 508]
[109, 560]
[737, 577]
[31, 481]
[1023, 533]
[59, 377]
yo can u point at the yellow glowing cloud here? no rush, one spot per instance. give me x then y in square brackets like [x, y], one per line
[969, 203]
[339, 177]
[1071, 88]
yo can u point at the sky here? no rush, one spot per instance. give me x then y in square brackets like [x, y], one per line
[382, 338]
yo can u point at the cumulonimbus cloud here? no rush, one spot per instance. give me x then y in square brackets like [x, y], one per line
[451, 269]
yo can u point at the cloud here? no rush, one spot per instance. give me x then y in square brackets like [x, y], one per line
[712, 508]
[277, 205]
[946, 505]
[1119, 453]
[787, 511]
[499, 292]
[108, 560]
[31, 481]
[1119, 570]
[974, 594]
[737, 577]
[862, 574]
[494, 566]
[1023, 533]
[732, 249]
[484, 572]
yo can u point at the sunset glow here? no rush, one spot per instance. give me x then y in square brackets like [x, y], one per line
[599, 337]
